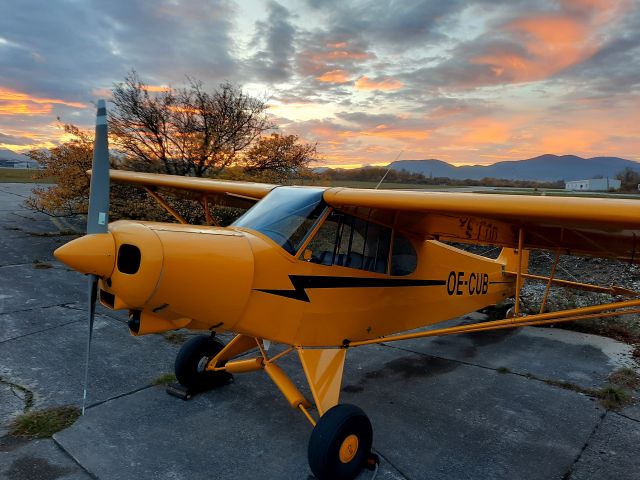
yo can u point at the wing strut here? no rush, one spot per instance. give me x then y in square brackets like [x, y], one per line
[550, 282]
[516, 309]
[596, 311]
[164, 204]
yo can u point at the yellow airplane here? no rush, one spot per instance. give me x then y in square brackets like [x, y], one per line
[324, 270]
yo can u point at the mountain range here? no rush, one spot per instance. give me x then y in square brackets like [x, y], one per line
[544, 168]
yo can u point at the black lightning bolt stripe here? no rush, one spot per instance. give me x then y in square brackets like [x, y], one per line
[302, 282]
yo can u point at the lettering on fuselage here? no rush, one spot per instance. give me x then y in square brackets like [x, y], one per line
[458, 283]
[479, 229]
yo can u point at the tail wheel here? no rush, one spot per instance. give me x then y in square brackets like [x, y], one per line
[192, 360]
[340, 443]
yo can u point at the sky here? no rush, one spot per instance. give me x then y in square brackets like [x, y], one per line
[467, 82]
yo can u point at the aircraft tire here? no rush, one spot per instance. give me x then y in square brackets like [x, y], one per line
[190, 359]
[340, 443]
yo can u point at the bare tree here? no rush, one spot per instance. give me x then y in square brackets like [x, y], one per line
[187, 131]
[629, 178]
[279, 157]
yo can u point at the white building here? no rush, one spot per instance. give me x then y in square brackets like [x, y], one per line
[594, 185]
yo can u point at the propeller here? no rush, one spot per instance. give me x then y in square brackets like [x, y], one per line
[97, 219]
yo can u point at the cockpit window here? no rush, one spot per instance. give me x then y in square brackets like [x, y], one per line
[286, 215]
[347, 241]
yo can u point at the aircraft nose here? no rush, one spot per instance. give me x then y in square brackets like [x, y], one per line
[94, 254]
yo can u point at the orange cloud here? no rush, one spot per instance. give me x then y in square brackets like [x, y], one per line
[337, 45]
[380, 131]
[384, 131]
[487, 131]
[13, 102]
[23, 108]
[156, 88]
[334, 76]
[570, 140]
[341, 55]
[336, 56]
[365, 83]
[553, 43]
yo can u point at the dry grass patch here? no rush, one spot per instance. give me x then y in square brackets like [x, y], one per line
[44, 423]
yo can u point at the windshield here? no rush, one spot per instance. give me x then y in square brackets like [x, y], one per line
[286, 215]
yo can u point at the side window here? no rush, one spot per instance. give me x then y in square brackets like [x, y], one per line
[404, 259]
[348, 241]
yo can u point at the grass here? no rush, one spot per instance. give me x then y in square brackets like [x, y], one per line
[37, 264]
[558, 193]
[625, 377]
[174, 338]
[613, 397]
[22, 175]
[44, 423]
[165, 378]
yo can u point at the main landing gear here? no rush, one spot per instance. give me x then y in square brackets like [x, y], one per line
[191, 362]
[340, 443]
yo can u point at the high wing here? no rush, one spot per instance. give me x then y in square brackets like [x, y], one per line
[242, 194]
[569, 225]
[601, 227]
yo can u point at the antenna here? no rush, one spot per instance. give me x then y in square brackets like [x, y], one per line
[388, 170]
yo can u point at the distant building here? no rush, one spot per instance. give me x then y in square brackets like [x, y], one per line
[594, 185]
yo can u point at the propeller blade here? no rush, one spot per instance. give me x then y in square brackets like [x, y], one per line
[97, 218]
[93, 294]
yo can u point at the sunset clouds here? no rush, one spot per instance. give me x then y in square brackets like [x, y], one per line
[463, 81]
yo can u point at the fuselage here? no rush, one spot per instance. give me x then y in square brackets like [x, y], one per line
[235, 280]
[316, 278]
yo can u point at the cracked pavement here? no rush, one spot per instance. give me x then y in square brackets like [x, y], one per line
[476, 406]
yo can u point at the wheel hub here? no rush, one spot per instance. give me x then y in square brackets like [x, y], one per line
[348, 449]
[202, 364]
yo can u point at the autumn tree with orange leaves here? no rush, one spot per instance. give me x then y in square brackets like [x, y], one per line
[68, 163]
[277, 158]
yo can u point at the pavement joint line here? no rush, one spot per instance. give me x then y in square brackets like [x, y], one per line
[71, 306]
[64, 305]
[624, 416]
[39, 331]
[57, 267]
[469, 364]
[23, 216]
[120, 395]
[381, 455]
[15, 265]
[66, 453]
[13, 193]
[569, 472]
